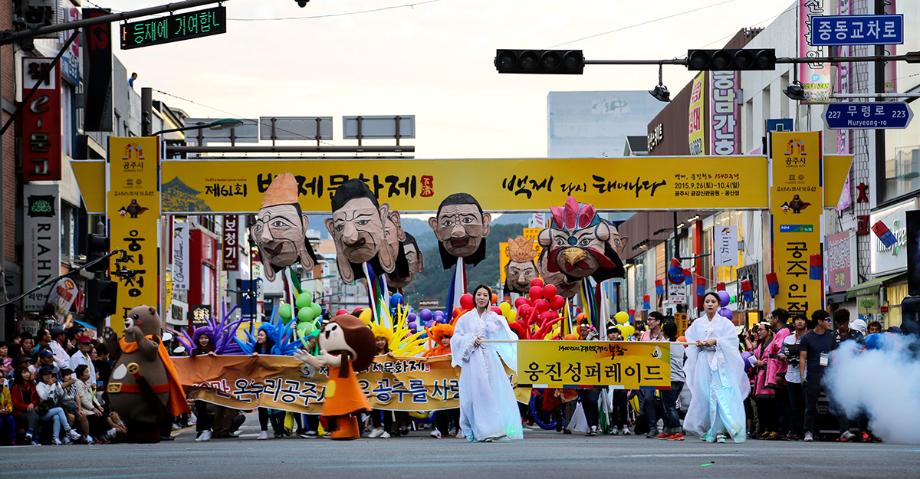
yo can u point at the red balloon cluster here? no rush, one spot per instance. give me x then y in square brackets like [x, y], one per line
[466, 301]
[540, 308]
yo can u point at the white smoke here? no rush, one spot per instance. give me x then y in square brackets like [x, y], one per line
[884, 383]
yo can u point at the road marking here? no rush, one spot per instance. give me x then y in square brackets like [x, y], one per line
[637, 456]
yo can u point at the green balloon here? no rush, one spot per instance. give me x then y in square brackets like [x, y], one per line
[317, 310]
[304, 315]
[304, 300]
[304, 329]
[286, 312]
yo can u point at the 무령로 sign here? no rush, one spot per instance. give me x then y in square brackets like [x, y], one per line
[174, 28]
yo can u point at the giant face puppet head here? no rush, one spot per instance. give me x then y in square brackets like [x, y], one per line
[520, 270]
[565, 286]
[461, 228]
[357, 228]
[408, 264]
[581, 244]
[280, 229]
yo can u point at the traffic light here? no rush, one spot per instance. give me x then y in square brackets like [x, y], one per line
[98, 247]
[731, 59]
[100, 298]
[540, 62]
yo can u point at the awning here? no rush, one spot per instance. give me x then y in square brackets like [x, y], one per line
[837, 298]
[872, 286]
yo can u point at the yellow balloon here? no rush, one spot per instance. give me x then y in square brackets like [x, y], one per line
[505, 307]
[622, 317]
[628, 330]
[511, 315]
[366, 315]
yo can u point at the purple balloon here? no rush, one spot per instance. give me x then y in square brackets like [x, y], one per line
[425, 315]
[412, 325]
[411, 317]
[746, 356]
[724, 298]
[429, 324]
[725, 313]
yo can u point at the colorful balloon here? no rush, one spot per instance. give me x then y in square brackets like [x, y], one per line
[724, 298]
[285, 312]
[504, 308]
[425, 315]
[558, 302]
[466, 301]
[304, 300]
[621, 317]
[549, 292]
[536, 282]
[304, 315]
[541, 305]
[536, 292]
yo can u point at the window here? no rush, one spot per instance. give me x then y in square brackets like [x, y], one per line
[902, 160]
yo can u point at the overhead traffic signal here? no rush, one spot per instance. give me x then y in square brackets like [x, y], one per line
[732, 59]
[540, 62]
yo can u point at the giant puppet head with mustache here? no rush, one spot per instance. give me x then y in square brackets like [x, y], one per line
[579, 243]
[358, 230]
[280, 228]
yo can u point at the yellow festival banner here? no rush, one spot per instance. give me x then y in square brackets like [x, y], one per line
[557, 364]
[503, 260]
[134, 210]
[796, 204]
[282, 382]
[233, 186]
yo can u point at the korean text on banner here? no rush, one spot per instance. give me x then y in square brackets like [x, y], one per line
[180, 256]
[815, 77]
[282, 382]
[227, 186]
[594, 363]
[40, 125]
[696, 133]
[724, 113]
[134, 211]
[231, 243]
[796, 203]
[726, 246]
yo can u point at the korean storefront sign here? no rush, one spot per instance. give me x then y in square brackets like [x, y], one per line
[815, 77]
[41, 121]
[840, 253]
[796, 203]
[180, 256]
[134, 211]
[231, 243]
[593, 363]
[724, 114]
[892, 257]
[196, 186]
[725, 249]
[42, 252]
[696, 133]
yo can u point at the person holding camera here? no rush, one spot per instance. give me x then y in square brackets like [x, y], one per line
[790, 355]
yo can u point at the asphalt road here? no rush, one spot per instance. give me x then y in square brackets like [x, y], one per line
[541, 454]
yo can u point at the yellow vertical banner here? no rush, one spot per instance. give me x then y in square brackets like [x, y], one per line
[133, 210]
[696, 131]
[503, 260]
[796, 203]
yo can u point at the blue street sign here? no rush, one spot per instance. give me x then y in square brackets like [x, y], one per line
[830, 30]
[872, 115]
[779, 124]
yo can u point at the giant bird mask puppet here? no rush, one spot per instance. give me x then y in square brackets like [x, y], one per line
[358, 230]
[580, 244]
[280, 229]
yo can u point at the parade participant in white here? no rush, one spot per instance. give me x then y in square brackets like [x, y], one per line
[715, 376]
[488, 409]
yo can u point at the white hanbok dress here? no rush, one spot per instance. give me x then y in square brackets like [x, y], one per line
[488, 407]
[716, 379]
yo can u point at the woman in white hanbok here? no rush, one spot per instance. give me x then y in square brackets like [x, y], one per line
[488, 408]
[715, 376]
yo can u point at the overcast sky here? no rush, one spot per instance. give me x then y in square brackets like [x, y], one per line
[433, 60]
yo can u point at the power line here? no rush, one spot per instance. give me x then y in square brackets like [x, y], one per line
[341, 14]
[647, 22]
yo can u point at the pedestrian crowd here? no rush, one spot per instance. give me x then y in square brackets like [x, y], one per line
[52, 389]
